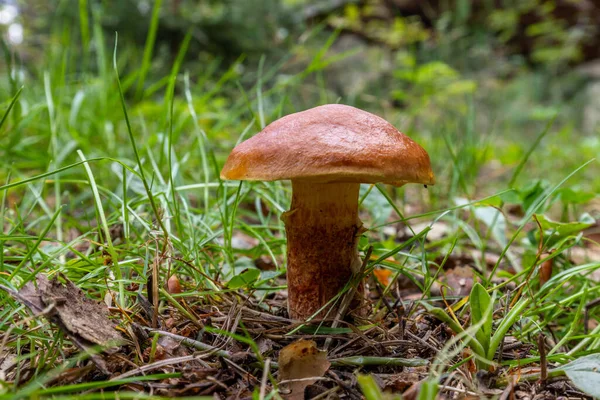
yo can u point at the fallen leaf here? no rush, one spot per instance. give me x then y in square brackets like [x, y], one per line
[545, 269]
[83, 320]
[298, 361]
[383, 275]
[79, 314]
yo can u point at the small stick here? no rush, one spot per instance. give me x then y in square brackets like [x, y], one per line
[191, 342]
[361, 361]
[157, 364]
[541, 342]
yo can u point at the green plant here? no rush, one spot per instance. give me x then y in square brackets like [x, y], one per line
[433, 88]
[485, 342]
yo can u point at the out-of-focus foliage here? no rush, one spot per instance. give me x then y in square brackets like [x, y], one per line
[416, 84]
[224, 28]
[430, 86]
[394, 31]
[426, 59]
[554, 34]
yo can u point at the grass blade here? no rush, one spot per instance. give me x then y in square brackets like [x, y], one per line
[10, 106]
[150, 40]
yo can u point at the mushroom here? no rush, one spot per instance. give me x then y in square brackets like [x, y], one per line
[327, 152]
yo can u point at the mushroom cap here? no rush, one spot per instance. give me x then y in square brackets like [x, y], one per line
[330, 143]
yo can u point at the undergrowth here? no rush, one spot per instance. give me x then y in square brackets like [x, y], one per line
[110, 176]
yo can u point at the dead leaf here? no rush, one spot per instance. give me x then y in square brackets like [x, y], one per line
[298, 361]
[79, 314]
[382, 275]
[545, 269]
[83, 320]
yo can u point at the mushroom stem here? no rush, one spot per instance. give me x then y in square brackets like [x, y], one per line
[322, 228]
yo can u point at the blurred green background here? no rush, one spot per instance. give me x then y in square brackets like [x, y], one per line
[476, 82]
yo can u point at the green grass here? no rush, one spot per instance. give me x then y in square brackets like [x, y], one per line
[110, 174]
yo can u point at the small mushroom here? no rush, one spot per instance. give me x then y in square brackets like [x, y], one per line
[327, 152]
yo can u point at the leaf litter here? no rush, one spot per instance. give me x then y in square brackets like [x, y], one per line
[229, 352]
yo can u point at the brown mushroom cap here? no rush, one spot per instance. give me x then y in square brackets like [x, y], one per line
[330, 143]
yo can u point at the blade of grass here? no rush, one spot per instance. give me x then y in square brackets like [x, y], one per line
[202, 141]
[54, 150]
[532, 210]
[11, 105]
[525, 158]
[104, 226]
[148, 49]
[79, 387]
[84, 25]
[170, 100]
[134, 146]
[41, 237]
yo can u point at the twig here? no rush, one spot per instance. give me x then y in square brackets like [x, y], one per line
[157, 364]
[381, 294]
[327, 393]
[191, 342]
[307, 379]
[420, 340]
[541, 342]
[458, 390]
[240, 371]
[266, 316]
[361, 361]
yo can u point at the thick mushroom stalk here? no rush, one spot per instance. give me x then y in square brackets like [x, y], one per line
[323, 229]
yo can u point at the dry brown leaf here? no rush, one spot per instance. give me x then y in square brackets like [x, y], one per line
[545, 270]
[383, 276]
[298, 361]
[79, 315]
[84, 321]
